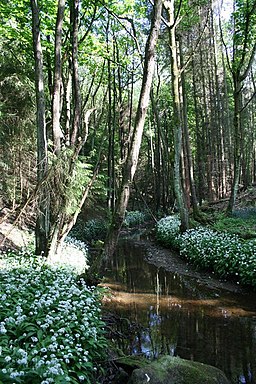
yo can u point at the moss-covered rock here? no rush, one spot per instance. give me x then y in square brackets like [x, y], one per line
[130, 363]
[173, 370]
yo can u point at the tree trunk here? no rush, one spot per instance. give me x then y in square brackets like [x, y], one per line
[42, 223]
[130, 164]
[177, 116]
[188, 150]
[240, 65]
[57, 133]
[237, 143]
[74, 16]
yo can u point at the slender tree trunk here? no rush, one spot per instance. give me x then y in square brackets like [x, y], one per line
[60, 219]
[237, 143]
[42, 223]
[240, 65]
[131, 162]
[188, 150]
[56, 102]
[74, 13]
[177, 116]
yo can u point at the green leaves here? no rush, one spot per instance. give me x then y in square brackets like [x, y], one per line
[168, 229]
[52, 336]
[225, 254]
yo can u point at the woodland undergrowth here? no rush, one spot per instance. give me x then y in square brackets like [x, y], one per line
[226, 254]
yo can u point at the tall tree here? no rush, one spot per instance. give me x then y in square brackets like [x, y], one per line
[240, 61]
[43, 218]
[56, 100]
[56, 177]
[130, 164]
[173, 21]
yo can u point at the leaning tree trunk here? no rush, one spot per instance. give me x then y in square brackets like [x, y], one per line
[42, 223]
[130, 164]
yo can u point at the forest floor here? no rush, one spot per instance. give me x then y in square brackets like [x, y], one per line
[13, 237]
[155, 254]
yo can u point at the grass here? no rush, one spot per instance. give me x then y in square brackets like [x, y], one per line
[241, 223]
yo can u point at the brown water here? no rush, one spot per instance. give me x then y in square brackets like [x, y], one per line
[173, 314]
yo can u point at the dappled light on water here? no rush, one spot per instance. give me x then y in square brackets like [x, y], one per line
[211, 307]
[166, 313]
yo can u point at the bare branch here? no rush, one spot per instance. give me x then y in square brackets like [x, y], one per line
[224, 44]
[245, 74]
[248, 102]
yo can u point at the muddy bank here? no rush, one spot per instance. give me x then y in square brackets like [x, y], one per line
[170, 261]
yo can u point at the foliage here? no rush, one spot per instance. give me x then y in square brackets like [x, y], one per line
[17, 136]
[74, 255]
[212, 250]
[247, 263]
[167, 231]
[50, 326]
[77, 185]
[225, 254]
[242, 223]
[133, 218]
[90, 231]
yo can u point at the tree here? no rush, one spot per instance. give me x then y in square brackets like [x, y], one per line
[57, 166]
[177, 112]
[130, 164]
[240, 62]
[43, 219]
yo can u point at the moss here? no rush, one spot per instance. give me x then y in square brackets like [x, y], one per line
[129, 363]
[173, 370]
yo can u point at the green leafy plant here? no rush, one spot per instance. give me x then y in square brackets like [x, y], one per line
[211, 250]
[90, 231]
[242, 223]
[167, 231]
[225, 254]
[134, 218]
[50, 326]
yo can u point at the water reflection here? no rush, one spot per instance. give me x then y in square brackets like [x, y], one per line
[178, 315]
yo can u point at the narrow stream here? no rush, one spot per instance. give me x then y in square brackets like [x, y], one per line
[178, 315]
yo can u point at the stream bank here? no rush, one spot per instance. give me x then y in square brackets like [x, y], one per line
[169, 308]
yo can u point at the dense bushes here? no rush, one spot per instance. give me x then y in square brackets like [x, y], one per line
[223, 253]
[90, 231]
[134, 218]
[168, 229]
[241, 223]
[50, 325]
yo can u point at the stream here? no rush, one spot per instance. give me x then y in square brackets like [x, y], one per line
[165, 312]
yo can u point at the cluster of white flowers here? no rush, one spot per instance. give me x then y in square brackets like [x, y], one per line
[133, 218]
[221, 252]
[48, 324]
[168, 229]
[74, 254]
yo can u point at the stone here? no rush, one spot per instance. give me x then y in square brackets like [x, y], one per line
[174, 370]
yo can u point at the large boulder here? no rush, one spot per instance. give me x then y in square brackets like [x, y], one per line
[174, 370]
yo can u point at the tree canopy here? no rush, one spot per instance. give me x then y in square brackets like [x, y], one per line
[71, 77]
